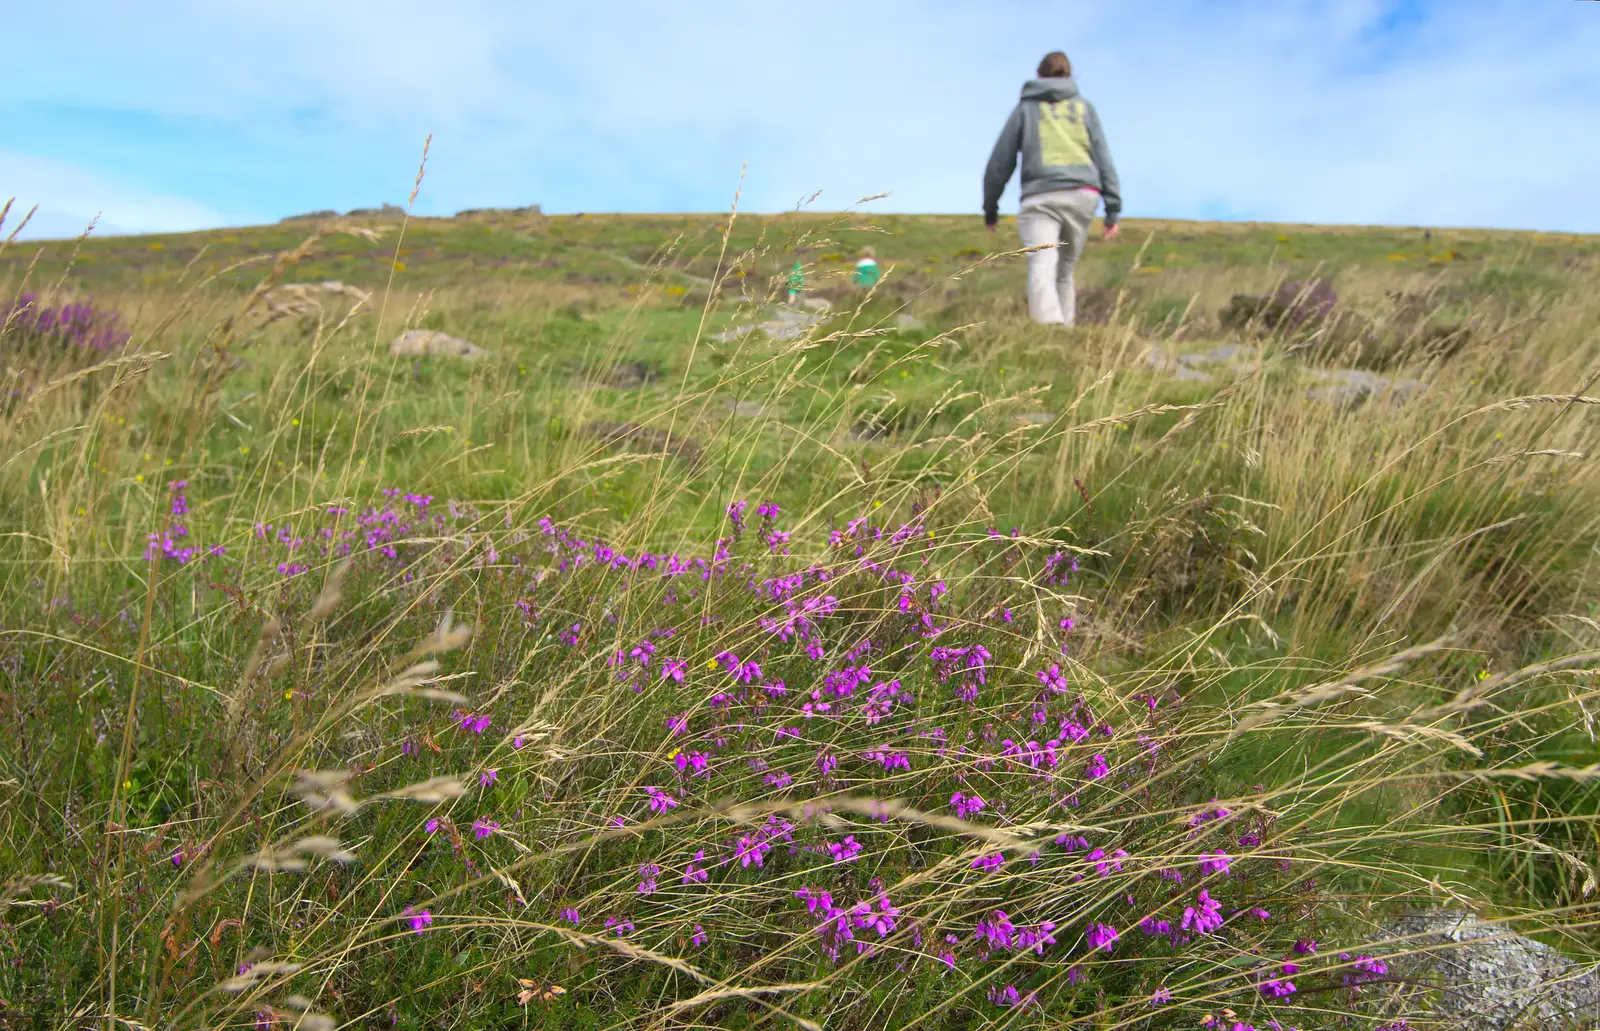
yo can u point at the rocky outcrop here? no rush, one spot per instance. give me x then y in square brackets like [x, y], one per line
[1469, 975]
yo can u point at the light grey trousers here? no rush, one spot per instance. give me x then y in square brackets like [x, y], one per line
[1058, 223]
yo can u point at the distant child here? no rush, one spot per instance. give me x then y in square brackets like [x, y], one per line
[797, 282]
[867, 273]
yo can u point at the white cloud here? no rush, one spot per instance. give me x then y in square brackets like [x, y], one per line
[69, 198]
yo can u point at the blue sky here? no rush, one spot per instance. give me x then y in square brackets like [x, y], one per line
[194, 113]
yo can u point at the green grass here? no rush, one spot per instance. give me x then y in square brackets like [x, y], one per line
[1237, 546]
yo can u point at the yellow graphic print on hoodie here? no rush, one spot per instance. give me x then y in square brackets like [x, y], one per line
[1063, 136]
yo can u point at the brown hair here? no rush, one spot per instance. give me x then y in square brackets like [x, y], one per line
[1055, 66]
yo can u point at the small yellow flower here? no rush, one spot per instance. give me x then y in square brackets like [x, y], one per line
[288, 695]
[245, 450]
[712, 664]
[1483, 674]
[138, 478]
[399, 266]
[294, 422]
[877, 504]
[127, 785]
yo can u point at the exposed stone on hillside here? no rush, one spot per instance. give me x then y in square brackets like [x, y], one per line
[1476, 976]
[416, 342]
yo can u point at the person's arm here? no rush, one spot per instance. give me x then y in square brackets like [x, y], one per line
[1002, 162]
[1110, 188]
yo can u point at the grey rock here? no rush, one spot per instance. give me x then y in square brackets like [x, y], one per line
[1489, 978]
[1351, 388]
[1178, 366]
[417, 342]
[631, 375]
[530, 209]
[779, 322]
[386, 210]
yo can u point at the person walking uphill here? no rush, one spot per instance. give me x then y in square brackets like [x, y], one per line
[1066, 172]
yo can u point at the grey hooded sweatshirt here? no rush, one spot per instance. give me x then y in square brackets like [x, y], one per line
[1063, 148]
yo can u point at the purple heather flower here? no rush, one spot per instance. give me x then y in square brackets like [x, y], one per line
[432, 825]
[1214, 862]
[482, 828]
[177, 856]
[570, 915]
[1160, 997]
[1204, 918]
[488, 777]
[1096, 768]
[694, 763]
[699, 937]
[992, 861]
[1100, 936]
[660, 801]
[419, 919]
[1106, 866]
[967, 806]
[678, 725]
[673, 669]
[647, 878]
[1305, 947]
[751, 850]
[1364, 969]
[1007, 996]
[694, 874]
[844, 851]
[1054, 679]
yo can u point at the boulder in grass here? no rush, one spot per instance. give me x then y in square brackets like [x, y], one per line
[1479, 976]
[414, 343]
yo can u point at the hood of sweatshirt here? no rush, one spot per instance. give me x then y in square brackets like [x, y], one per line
[1049, 89]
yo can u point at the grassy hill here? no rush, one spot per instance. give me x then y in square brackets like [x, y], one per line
[861, 665]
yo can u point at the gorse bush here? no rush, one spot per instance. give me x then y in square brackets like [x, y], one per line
[358, 692]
